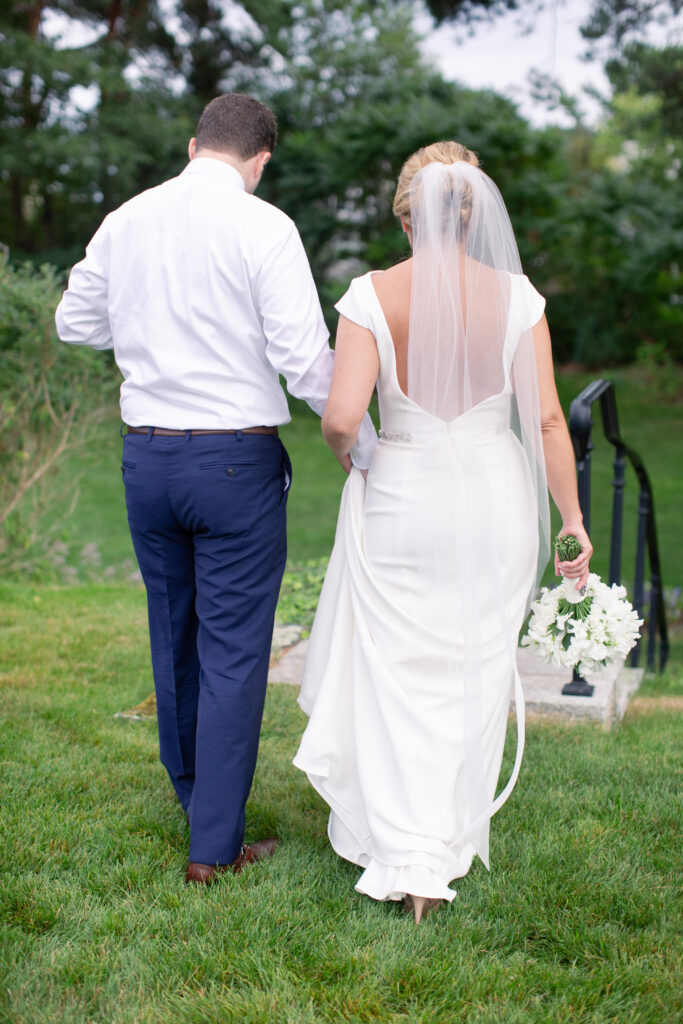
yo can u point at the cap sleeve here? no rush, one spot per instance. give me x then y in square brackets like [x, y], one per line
[535, 304]
[352, 307]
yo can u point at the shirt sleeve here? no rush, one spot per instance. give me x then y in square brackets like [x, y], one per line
[361, 453]
[296, 336]
[82, 317]
[535, 304]
[352, 308]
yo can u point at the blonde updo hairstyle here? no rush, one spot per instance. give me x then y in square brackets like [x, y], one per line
[437, 152]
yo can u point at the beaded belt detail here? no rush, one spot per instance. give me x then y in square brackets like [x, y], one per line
[391, 435]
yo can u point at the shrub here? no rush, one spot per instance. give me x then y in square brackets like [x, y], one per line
[52, 397]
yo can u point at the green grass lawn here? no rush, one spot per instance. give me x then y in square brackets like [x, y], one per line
[578, 921]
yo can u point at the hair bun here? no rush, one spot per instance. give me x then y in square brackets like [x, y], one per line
[442, 153]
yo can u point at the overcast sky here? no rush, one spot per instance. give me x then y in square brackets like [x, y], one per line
[501, 53]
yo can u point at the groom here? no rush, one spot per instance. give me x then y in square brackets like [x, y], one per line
[206, 296]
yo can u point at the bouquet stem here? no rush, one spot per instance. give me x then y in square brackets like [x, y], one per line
[572, 602]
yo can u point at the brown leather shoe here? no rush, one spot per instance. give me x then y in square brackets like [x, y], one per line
[259, 850]
[206, 874]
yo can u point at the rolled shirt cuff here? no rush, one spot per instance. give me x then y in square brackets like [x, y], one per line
[361, 453]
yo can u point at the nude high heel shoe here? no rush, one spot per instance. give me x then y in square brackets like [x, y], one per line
[421, 905]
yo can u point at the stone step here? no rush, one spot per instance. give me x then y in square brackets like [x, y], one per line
[542, 683]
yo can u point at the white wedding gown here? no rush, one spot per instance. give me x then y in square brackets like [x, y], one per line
[411, 661]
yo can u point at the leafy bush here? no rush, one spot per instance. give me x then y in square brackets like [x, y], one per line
[300, 592]
[51, 399]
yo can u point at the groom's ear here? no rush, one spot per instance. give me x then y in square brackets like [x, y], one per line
[254, 169]
[261, 161]
[191, 147]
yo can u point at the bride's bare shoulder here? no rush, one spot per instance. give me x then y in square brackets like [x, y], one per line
[393, 281]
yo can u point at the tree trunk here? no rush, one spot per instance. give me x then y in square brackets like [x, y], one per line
[20, 228]
[34, 17]
[115, 8]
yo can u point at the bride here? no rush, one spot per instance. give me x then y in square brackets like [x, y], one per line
[411, 661]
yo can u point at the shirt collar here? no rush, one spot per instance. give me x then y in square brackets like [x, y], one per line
[214, 168]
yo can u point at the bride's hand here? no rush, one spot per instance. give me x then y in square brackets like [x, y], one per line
[345, 463]
[579, 568]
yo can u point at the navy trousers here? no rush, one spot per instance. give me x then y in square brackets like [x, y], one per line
[207, 515]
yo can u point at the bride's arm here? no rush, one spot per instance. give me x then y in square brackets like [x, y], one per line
[356, 366]
[559, 457]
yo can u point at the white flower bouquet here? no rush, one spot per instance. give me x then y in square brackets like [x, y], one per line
[583, 629]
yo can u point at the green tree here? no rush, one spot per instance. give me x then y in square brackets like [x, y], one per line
[617, 21]
[469, 10]
[652, 72]
[354, 97]
[618, 229]
[625, 21]
[67, 161]
[65, 165]
[354, 100]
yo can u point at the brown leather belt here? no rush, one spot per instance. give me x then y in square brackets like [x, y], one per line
[165, 432]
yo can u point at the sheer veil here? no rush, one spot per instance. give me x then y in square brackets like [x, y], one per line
[461, 349]
[471, 363]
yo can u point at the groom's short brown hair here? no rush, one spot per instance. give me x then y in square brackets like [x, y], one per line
[239, 124]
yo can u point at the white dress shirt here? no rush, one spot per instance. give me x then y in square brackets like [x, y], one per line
[205, 294]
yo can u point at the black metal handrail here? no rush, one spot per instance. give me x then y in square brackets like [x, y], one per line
[580, 428]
